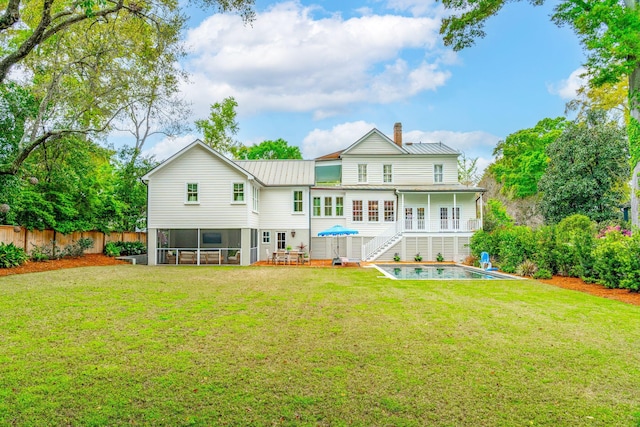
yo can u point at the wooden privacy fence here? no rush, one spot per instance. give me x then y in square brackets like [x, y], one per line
[27, 239]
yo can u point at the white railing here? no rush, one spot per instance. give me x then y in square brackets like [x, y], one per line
[441, 225]
[377, 242]
[202, 256]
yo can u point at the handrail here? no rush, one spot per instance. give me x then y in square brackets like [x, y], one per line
[377, 242]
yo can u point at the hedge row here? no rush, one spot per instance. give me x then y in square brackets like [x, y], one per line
[574, 247]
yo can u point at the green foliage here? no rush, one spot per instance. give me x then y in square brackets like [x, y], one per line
[545, 252]
[77, 248]
[484, 241]
[542, 273]
[527, 268]
[468, 170]
[112, 249]
[522, 159]
[574, 240]
[516, 244]
[495, 215]
[40, 253]
[278, 149]
[587, 171]
[11, 255]
[221, 126]
[611, 258]
[126, 248]
[396, 257]
[439, 257]
[418, 257]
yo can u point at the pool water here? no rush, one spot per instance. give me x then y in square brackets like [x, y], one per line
[435, 272]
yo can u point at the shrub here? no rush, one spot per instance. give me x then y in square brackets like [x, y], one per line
[542, 273]
[483, 241]
[396, 257]
[11, 255]
[40, 253]
[111, 249]
[575, 236]
[418, 257]
[527, 268]
[631, 279]
[515, 245]
[76, 249]
[544, 256]
[125, 248]
[611, 259]
[439, 257]
[472, 260]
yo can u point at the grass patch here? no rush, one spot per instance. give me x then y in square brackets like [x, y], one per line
[261, 346]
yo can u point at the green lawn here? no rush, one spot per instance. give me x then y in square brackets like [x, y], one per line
[135, 345]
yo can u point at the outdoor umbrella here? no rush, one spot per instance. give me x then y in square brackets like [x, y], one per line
[337, 230]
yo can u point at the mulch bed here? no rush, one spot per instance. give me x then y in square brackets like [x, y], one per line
[101, 260]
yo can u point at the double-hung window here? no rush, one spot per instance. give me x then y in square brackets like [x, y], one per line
[297, 201]
[340, 206]
[192, 193]
[357, 211]
[387, 174]
[317, 208]
[437, 173]
[328, 206]
[238, 192]
[266, 237]
[373, 211]
[362, 173]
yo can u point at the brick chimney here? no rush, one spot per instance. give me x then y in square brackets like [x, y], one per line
[397, 134]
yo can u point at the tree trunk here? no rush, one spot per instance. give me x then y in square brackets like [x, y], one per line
[634, 143]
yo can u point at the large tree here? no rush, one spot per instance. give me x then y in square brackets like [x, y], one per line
[220, 128]
[278, 149]
[609, 30]
[522, 159]
[84, 61]
[587, 172]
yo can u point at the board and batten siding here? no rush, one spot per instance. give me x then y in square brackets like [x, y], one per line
[276, 209]
[167, 194]
[406, 169]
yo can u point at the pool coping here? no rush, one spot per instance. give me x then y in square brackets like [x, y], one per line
[497, 275]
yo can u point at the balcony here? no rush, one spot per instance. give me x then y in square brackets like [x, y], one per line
[441, 225]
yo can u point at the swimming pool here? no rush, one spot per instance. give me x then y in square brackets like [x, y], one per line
[435, 272]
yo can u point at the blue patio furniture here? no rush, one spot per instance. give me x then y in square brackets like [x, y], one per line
[485, 262]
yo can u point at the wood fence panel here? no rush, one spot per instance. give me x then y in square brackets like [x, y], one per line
[27, 239]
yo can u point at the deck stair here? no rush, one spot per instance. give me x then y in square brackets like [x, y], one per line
[381, 244]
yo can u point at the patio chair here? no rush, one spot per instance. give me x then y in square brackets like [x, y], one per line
[170, 257]
[270, 256]
[187, 257]
[485, 262]
[234, 259]
[281, 256]
[293, 257]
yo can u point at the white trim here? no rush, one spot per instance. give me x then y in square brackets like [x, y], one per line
[186, 193]
[391, 173]
[233, 193]
[366, 173]
[367, 135]
[293, 202]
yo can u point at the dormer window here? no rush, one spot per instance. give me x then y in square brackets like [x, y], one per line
[437, 174]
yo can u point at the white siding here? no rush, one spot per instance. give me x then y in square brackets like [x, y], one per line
[167, 208]
[407, 170]
[276, 209]
[366, 227]
[374, 144]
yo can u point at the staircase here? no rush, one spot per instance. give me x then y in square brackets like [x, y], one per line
[380, 244]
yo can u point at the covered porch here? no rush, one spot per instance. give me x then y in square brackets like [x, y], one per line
[439, 212]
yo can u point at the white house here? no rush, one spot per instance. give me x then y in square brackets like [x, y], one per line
[403, 199]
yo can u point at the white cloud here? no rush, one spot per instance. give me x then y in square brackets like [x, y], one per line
[288, 60]
[473, 144]
[567, 89]
[169, 146]
[320, 142]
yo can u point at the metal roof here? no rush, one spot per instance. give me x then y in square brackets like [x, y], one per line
[281, 172]
[428, 148]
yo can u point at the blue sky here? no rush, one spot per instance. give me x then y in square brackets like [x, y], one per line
[322, 73]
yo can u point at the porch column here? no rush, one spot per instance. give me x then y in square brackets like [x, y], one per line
[481, 210]
[454, 218]
[152, 246]
[198, 250]
[402, 216]
[245, 246]
[429, 211]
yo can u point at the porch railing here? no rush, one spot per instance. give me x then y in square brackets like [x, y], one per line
[202, 256]
[441, 225]
[377, 242]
